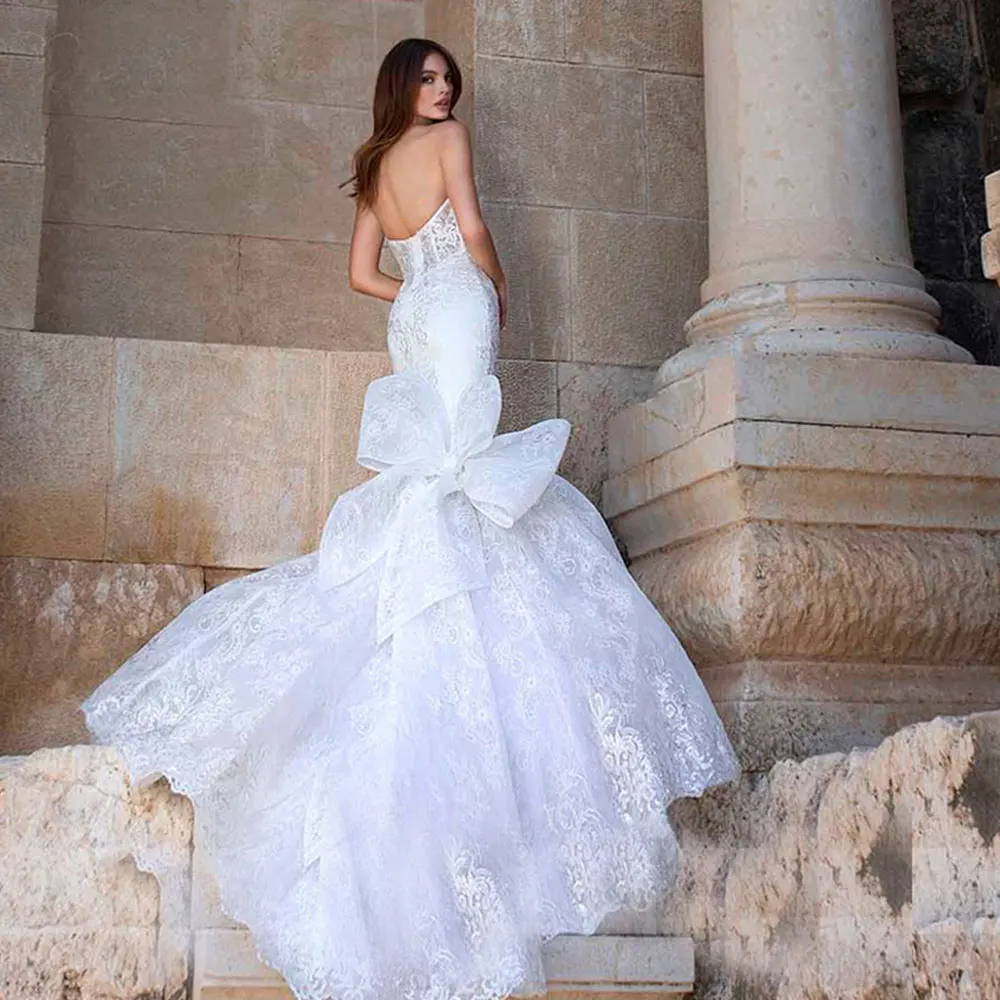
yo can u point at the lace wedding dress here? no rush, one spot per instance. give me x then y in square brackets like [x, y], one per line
[452, 732]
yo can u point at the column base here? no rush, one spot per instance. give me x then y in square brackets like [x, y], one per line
[823, 534]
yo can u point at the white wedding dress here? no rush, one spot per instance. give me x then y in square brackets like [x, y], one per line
[452, 732]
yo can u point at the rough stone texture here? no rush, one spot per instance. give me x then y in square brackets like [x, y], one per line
[55, 446]
[588, 396]
[218, 454]
[122, 282]
[65, 627]
[836, 593]
[958, 960]
[530, 393]
[811, 882]
[300, 51]
[944, 192]
[25, 30]
[933, 46]
[533, 244]
[78, 921]
[635, 282]
[675, 137]
[662, 35]
[528, 29]
[208, 178]
[970, 315]
[598, 164]
[22, 128]
[21, 187]
[296, 294]
[394, 21]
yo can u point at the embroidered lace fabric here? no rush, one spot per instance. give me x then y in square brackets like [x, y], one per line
[452, 732]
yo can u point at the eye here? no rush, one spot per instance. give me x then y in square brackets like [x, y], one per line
[428, 78]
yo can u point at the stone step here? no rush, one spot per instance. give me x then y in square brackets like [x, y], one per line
[225, 965]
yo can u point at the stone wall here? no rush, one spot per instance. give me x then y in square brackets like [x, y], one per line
[948, 61]
[868, 876]
[590, 147]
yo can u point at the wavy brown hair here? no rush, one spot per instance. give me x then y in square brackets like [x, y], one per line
[396, 88]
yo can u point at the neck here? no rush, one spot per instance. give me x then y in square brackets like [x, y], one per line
[424, 120]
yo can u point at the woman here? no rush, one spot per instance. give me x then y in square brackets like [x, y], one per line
[453, 731]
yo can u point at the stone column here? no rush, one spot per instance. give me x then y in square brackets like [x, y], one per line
[991, 239]
[808, 242]
[812, 498]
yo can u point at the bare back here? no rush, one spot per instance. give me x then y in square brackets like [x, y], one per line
[411, 183]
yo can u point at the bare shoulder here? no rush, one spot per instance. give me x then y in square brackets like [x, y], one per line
[452, 132]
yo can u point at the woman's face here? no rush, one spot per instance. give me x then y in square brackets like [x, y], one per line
[434, 96]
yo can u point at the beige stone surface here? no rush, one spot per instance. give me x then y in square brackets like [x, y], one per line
[635, 281]
[838, 392]
[21, 187]
[55, 444]
[215, 576]
[812, 880]
[65, 627]
[675, 138]
[662, 35]
[275, 173]
[530, 393]
[837, 593]
[588, 396]
[958, 959]
[992, 184]
[295, 294]
[347, 375]
[121, 282]
[527, 29]
[533, 245]
[991, 254]
[79, 920]
[151, 62]
[394, 21]
[22, 126]
[599, 163]
[218, 454]
[25, 30]
[303, 52]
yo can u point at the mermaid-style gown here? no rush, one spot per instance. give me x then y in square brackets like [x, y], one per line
[451, 732]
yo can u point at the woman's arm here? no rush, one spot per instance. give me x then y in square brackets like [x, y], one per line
[366, 248]
[460, 187]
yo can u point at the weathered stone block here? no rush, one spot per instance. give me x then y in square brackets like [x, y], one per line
[675, 139]
[299, 51]
[155, 62]
[524, 28]
[970, 315]
[635, 282]
[25, 30]
[530, 392]
[662, 35]
[67, 626]
[394, 21]
[533, 244]
[218, 454]
[22, 126]
[55, 444]
[958, 959]
[214, 179]
[296, 294]
[933, 46]
[588, 396]
[944, 192]
[79, 919]
[122, 282]
[21, 187]
[597, 164]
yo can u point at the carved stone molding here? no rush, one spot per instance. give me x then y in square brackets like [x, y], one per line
[761, 591]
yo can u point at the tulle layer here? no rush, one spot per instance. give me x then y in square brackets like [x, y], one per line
[415, 817]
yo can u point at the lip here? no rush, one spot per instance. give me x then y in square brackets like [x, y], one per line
[442, 104]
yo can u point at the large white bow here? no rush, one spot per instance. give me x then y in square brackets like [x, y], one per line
[409, 513]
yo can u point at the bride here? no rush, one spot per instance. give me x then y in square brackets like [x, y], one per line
[453, 731]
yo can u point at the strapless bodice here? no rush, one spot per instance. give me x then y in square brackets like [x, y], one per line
[444, 321]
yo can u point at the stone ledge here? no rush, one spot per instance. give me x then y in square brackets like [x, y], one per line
[598, 965]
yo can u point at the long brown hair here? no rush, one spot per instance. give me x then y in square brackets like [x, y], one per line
[396, 88]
